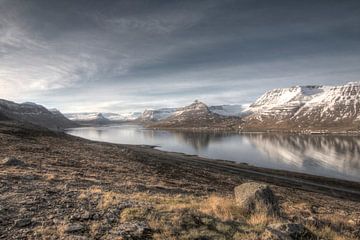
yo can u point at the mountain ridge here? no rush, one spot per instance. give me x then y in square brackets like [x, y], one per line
[34, 114]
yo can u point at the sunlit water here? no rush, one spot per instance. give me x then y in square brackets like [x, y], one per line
[324, 155]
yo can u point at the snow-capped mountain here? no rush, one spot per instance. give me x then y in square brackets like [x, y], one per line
[156, 115]
[110, 117]
[307, 107]
[164, 113]
[197, 111]
[195, 115]
[129, 116]
[34, 114]
[228, 110]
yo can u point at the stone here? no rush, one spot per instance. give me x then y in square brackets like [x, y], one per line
[12, 161]
[256, 197]
[20, 223]
[73, 228]
[135, 229]
[287, 231]
[85, 216]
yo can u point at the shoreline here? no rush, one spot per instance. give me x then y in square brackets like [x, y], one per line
[238, 160]
[286, 178]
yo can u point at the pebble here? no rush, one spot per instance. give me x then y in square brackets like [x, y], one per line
[23, 222]
[73, 227]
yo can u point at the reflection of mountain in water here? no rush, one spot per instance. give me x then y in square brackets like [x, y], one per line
[197, 140]
[313, 153]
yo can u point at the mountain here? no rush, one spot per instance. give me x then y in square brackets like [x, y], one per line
[102, 118]
[307, 107]
[123, 117]
[196, 115]
[156, 115]
[34, 114]
[228, 110]
[299, 108]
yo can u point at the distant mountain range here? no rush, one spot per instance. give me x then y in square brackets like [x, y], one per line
[299, 108]
[102, 118]
[198, 116]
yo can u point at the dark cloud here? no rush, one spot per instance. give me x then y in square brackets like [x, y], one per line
[124, 55]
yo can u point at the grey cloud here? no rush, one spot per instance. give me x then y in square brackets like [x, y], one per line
[123, 55]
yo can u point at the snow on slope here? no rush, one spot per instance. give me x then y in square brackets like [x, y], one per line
[157, 115]
[314, 103]
[285, 101]
[129, 116]
[228, 110]
[91, 116]
[195, 108]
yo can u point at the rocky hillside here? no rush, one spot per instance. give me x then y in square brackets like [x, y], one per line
[34, 114]
[307, 107]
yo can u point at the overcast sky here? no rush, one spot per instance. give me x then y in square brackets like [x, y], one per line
[83, 55]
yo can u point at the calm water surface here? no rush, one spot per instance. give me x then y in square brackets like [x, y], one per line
[331, 156]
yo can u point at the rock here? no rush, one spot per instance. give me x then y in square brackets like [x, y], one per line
[73, 228]
[12, 161]
[20, 223]
[135, 229]
[314, 221]
[85, 216]
[287, 231]
[256, 197]
[76, 238]
[356, 233]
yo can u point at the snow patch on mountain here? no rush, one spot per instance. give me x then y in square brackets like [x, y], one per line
[228, 110]
[91, 116]
[309, 103]
[157, 114]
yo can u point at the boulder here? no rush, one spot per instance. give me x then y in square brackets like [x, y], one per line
[287, 231]
[256, 197]
[12, 161]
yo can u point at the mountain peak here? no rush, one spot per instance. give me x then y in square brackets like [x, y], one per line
[197, 105]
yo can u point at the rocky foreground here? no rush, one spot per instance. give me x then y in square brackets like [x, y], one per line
[54, 186]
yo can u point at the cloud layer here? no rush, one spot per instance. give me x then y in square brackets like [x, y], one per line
[130, 55]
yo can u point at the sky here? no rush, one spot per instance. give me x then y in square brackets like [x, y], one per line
[121, 56]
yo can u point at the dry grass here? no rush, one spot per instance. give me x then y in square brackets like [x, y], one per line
[134, 214]
[223, 208]
[94, 228]
[260, 219]
[247, 236]
[109, 199]
[189, 217]
[328, 233]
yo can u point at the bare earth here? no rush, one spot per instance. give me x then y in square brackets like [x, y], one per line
[71, 188]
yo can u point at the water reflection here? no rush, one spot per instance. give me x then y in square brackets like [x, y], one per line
[338, 155]
[333, 156]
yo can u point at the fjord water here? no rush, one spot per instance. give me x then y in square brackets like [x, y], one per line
[324, 155]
